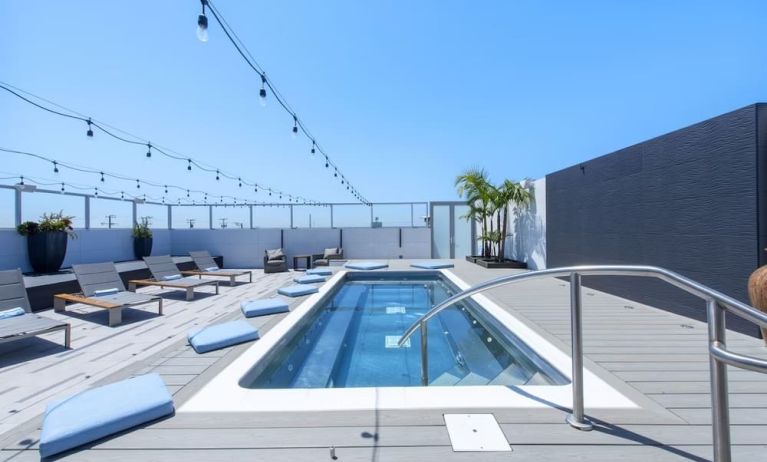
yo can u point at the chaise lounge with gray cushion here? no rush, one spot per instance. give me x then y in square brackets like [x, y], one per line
[275, 261]
[165, 273]
[18, 321]
[323, 259]
[207, 266]
[102, 287]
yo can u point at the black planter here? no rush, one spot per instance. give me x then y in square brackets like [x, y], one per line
[47, 250]
[142, 247]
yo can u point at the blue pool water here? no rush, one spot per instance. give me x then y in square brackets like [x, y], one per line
[350, 340]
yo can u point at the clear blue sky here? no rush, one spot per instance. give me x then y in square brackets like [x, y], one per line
[404, 95]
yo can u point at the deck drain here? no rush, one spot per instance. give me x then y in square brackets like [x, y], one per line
[628, 307]
[686, 326]
[475, 433]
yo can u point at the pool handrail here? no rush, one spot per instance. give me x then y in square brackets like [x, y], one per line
[717, 304]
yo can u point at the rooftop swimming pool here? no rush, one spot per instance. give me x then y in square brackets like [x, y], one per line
[337, 350]
[350, 340]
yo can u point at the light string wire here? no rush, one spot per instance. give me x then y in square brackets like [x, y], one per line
[253, 64]
[137, 181]
[169, 153]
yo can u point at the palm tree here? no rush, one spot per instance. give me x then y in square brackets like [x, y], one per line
[474, 185]
[509, 193]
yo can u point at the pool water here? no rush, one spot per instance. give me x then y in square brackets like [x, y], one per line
[350, 340]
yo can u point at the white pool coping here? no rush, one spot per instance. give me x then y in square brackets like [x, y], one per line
[224, 394]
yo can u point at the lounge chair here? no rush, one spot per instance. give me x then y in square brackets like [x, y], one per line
[275, 261]
[18, 321]
[102, 287]
[207, 266]
[165, 273]
[323, 259]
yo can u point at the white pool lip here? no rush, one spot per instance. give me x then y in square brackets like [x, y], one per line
[224, 394]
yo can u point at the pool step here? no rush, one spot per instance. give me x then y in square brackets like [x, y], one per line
[318, 367]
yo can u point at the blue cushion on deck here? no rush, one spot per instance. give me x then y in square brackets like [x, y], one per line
[221, 335]
[432, 264]
[12, 313]
[366, 265]
[297, 290]
[309, 279]
[320, 271]
[251, 308]
[103, 411]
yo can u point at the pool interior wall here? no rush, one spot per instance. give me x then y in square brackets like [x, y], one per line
[350, 340]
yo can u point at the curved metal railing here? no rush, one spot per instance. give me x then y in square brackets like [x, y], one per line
[717, 304]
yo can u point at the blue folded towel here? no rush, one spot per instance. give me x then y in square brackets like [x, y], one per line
[13, 312]
[221, 335]
[212, 268]
[172, 277]
[104, 292]
[103, 411]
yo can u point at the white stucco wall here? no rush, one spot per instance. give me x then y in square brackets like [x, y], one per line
[527, 229]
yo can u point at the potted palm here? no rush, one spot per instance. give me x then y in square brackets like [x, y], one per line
[47, 241]
[142, 239]
[489, 208]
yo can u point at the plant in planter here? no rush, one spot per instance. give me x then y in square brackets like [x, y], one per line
[142, 239]
[489, 208]
[47, 240]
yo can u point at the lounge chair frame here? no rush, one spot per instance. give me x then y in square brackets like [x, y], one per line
[203, 259]
[97, 276]
[162, 266]
[14, 294]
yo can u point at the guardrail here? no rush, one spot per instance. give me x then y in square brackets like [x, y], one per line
[717, 304]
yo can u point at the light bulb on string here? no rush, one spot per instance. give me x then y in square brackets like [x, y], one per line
[239, 182]
[62, 188]
[138, 184]
[89, 133]
[96, 191]
[122, 195]
[189, 164]
[202, 24]
[55, 167]
[217, 175]
[102, 176]
[262, 92]
[294, 132]
[148, 150]
[314, 144]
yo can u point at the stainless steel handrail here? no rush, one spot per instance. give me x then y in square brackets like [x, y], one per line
[717, 304]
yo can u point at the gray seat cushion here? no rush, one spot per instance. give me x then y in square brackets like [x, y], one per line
[330, 252]
[275, 254]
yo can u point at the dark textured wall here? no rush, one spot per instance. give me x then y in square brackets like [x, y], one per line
[687, 201]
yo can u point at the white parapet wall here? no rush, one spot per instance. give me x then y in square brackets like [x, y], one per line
[241, 248]
[527, 229]
[90, 246]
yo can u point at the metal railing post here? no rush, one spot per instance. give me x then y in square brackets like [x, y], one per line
[17, 206]
[720, 415]
[424, 354]
[577, 419]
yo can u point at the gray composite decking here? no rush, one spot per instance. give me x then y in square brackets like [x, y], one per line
[653, 356]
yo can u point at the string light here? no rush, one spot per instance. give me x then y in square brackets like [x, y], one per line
[138, 184]
[102, 177]
[217, 175]
[265, 82]
[262, 92]
[314, 145]
[202, 24]
[109, 131]
[149, 150]
[62, 187]
[89, 133]
[55, 167]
